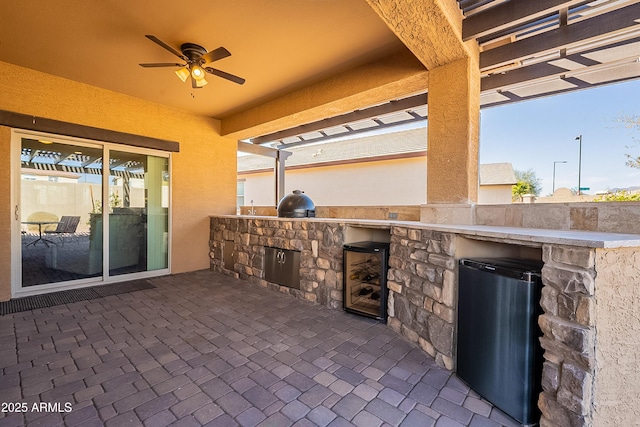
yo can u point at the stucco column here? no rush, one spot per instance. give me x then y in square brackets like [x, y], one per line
[452, 147]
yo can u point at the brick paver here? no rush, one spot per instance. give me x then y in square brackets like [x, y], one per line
[202, 348]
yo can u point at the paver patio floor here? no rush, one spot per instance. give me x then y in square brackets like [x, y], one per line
[205, 349]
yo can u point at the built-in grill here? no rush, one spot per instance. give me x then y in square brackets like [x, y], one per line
[296, 205]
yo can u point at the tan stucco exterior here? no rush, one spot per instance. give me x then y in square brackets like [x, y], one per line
[430, 29]
[5, 213]
[616, 385]
[203, 172]
[384, 182]
[494, 194]
[454, 117]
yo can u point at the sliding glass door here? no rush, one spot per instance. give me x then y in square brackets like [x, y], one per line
[139, 212]
[73, 193]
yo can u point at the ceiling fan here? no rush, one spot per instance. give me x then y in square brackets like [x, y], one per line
[195, 57]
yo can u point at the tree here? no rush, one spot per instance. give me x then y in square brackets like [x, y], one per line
[631, 122]
[527, 183]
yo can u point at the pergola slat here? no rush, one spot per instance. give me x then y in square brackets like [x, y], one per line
[546, 70]
[510, 15]
[367, 113]
[562, 37]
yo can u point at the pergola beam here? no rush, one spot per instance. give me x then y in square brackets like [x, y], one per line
[511, 14]
[351, 132]
[575, 81]
[367, 113]
[393, 77]
[561, 38]
[545, 70]
[245, 147]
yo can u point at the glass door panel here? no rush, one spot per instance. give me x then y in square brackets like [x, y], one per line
[70, 201]
[60, 196]
[138, 212]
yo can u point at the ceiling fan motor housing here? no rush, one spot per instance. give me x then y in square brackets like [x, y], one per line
[193, 51]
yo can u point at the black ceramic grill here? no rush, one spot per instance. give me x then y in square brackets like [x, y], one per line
[296, 205]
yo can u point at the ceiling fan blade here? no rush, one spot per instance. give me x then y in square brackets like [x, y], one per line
[166, 46]
[225, 75]
[215, 55]
[162, 64]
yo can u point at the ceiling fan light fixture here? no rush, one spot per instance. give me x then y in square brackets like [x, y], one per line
[197, 72]
[194, 57]
[183, 74]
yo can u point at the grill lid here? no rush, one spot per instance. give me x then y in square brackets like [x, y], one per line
[296, 205]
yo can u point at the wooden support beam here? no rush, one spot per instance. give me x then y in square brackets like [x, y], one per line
[562, 37]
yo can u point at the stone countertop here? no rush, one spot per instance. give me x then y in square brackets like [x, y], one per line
[589, 239]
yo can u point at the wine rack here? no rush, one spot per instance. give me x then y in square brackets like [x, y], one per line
[365, 279]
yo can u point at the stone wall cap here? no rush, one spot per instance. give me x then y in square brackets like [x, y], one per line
[538, 236]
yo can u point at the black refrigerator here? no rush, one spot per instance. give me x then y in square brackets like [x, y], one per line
[499, 354]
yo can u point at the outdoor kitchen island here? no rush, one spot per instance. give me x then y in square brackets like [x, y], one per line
[590, 296]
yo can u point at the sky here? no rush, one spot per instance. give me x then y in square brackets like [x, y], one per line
[535, 134]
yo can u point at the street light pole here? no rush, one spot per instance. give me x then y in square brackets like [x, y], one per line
[554, 174]
[579, 137]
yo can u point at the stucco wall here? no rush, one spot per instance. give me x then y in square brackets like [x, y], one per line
[494, 194]
[5, 214]
[617, 319]
[385, 182]
[203, 172]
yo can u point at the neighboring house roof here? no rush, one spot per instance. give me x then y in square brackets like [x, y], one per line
[403, 143]
[497, 174]
[395, 144]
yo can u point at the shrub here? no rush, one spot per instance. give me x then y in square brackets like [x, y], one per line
[619, 196]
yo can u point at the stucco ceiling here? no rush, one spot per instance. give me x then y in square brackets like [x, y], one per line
[277, 46]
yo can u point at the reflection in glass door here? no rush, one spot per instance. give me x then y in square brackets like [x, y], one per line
[68, 205]
[138, 214]
[61, 192]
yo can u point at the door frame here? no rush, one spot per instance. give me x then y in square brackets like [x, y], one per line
[16, 239]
